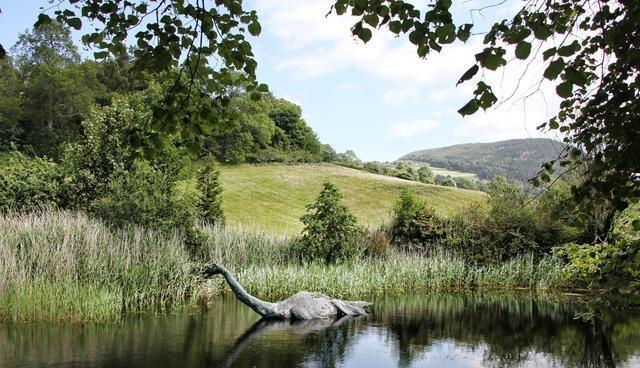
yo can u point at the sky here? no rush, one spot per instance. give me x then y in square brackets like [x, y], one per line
[379, 99]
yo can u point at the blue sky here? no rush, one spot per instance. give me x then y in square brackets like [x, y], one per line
[378, 99]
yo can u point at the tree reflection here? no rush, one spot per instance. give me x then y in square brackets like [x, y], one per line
[497, 330]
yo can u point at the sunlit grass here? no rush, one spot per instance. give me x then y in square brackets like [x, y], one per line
[273, 197]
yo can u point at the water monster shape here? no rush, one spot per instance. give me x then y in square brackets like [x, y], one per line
[301, 306]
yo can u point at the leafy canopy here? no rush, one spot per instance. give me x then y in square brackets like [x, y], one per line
[591, 51]
[202, 45]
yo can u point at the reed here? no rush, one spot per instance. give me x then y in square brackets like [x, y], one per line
[64, 265]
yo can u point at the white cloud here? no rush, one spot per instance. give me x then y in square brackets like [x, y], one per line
[411, 129]
[312, 46]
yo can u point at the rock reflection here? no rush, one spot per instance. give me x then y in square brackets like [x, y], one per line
[298, 328]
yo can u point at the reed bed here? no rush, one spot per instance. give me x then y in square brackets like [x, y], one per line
[58, 265]
[400, 273]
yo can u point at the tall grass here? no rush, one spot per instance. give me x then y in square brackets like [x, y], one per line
[400, 273]
[65, 265]
[50, 258]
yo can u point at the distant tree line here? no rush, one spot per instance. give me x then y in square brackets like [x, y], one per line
[409, 171]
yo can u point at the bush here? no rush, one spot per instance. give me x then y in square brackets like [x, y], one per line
[415, 224]
[376, 243]
[27, 183]
[210, 196]
[145, 196]
[330, 230]
[446, 181]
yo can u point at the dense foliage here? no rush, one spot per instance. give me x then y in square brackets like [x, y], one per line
[330, 230]
[415, 224]
[210, 199]
[513, 224]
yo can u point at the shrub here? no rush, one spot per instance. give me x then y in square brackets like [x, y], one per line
[376, 243]
[145, 196]
[330, 229]
[425, 174]
[415, 224]
[446, 181]
[27, 183]
[210, 196]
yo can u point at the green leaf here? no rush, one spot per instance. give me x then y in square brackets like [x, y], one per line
[371, 19]
[416, 37]
[635, 224]
[468, 74]
[548, 53]
[517, 34]
[523, 50]
[43, 19]
[491, 58]
[395, 26]
[492, 62]
[76, 23]
[542, 32]
[464, 32]
[254, 28]
[553, 124]
[565, 89]
[554, 69]
[101, 54]
[365, 34]
[262, 88]
[575, 76]
[570, 49]
[470, 108]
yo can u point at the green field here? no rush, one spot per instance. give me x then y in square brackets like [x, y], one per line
[452, 173]
[273, 197]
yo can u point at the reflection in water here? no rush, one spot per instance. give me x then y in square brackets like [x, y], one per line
[455, 330]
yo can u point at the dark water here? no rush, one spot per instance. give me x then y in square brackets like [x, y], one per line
[461, 330]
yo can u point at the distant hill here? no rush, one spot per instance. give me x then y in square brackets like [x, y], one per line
[273, 197]
[516, 159]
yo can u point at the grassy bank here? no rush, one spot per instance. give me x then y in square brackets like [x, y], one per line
[61, 265]
[273, 197]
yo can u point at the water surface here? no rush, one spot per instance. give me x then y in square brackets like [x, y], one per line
[437, 330]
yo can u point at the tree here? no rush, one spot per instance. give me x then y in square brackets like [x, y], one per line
[590, 49]
[446, 181]
[330, 229]
[58, 89]
[49, 44]
[415, 224]
[210, 199]
[425, 174]
[11, 102]
[177, 38]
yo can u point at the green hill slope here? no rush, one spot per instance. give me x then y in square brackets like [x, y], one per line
[273, 197]
[516, 159]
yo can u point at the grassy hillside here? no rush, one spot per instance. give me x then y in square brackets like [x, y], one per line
[273, 197]
[516, 159]
[452, 173]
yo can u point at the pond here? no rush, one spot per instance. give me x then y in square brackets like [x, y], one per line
[434, 330]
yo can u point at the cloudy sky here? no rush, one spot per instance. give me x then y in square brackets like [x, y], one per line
[378, 99]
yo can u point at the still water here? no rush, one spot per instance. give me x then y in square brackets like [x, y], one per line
[434, 330]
